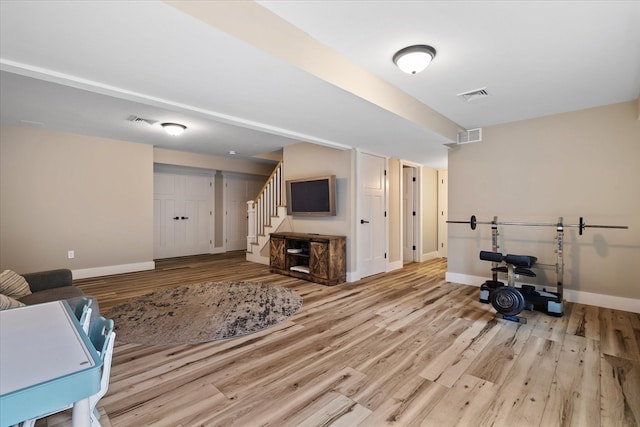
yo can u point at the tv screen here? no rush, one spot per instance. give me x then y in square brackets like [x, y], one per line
[312, 196]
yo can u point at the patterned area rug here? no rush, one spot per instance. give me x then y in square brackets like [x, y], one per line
[202, 312]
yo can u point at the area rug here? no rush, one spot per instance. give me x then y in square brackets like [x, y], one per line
[202, 312]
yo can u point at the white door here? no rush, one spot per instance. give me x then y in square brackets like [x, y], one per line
[182, 214]
[409, 212]
[371, 224]
[239, 189]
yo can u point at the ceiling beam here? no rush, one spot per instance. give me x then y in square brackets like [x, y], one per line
[253, 23]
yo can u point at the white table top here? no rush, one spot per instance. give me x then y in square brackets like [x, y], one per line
[46, 361]
[28, 341]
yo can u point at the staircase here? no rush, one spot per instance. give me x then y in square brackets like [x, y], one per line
[265, 214]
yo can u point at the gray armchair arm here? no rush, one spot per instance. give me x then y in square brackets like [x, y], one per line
[41, 280]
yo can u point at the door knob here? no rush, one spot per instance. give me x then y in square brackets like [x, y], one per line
[176, 217]
[185, 217]
[362, 221]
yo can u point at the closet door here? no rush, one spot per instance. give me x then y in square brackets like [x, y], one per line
[182, 214]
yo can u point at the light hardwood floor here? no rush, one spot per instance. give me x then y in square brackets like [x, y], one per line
[404, 348]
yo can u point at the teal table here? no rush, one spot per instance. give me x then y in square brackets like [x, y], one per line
[46, 363]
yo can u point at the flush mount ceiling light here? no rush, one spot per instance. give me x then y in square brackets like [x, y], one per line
[414, 59]
[173, 129]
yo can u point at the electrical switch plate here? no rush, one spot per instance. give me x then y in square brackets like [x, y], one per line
[71, 254]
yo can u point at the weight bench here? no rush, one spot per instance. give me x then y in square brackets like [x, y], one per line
[516, 264]
[510, 300]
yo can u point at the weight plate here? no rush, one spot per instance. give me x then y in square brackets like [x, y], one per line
[507, 300]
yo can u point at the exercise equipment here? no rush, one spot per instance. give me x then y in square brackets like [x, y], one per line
[509, 300]
[473, 222]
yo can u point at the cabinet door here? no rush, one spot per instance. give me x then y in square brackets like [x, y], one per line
[277, 252]
[338, 261]
[319, 259]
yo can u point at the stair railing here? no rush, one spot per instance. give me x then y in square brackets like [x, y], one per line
[264, 206]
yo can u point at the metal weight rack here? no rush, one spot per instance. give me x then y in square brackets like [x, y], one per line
[510, 300]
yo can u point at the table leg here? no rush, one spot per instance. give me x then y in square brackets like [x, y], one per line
[81, 416]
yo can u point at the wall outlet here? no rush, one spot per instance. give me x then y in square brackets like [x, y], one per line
[71, 254]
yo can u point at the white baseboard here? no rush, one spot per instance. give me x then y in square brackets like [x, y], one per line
[600, 300]
[352, 277]
[112, 269]
[581, 297]
[429, 256]
[464, 279]
[397, 265]
[257, 258]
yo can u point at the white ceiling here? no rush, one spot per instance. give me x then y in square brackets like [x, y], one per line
[88, 67]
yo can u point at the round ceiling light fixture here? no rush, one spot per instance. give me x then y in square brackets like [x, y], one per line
[414, 59]
[173, 129]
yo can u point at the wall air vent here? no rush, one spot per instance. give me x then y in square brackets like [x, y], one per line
[471, 135]
[473, 95]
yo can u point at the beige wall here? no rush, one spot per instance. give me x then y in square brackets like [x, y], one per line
[342, 164]
[394, 220]
[201, 161]
[61, 192]
[306, 160]
[584, 163]
[429, 190]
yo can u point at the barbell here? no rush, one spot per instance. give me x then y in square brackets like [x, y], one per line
[581, 225]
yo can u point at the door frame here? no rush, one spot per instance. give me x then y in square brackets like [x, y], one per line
[186, 170]
[357, 213]
[443, 212]
[417, 203]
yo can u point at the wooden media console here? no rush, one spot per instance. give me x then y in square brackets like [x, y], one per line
[318, 258]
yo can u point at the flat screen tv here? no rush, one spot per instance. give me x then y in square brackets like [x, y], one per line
[312, 196]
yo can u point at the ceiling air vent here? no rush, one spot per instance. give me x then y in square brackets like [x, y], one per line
[473, 95]
[471, 135]
[137, 119]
